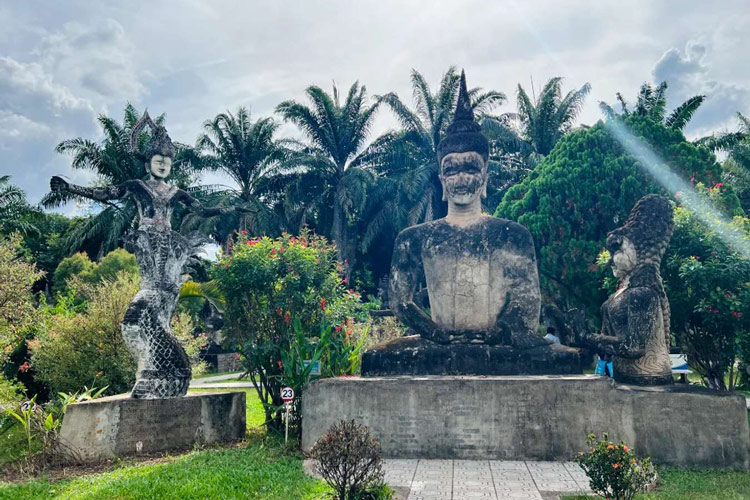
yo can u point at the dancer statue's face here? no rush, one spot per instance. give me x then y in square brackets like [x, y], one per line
[624, 258]
[160, 166]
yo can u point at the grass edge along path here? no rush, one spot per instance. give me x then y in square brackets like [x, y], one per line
[683, 484]
[259, 468]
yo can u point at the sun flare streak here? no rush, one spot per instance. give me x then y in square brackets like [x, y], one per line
[700, 205]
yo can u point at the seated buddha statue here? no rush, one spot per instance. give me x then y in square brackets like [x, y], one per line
[480, 271]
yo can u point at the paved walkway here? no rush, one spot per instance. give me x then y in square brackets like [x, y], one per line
[220, 382]
[483, 479]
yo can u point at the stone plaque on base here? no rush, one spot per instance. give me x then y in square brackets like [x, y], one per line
[542, 417]
[117, 426]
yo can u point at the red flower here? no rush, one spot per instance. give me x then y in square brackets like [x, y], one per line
[243, 232]
[289, 268]
[616, 465]
[24, 367]
[287, 317]
[281, 365]
[322, 303]
[338, 328]
[279, 311]
[737, 314]
[625, 448]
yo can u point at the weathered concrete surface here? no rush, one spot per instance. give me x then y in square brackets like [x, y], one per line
[119, 425]
[414, 355]
[532, 418]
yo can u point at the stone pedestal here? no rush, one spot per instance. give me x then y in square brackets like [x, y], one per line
[414, 355]
[533, 418]
[117, 426]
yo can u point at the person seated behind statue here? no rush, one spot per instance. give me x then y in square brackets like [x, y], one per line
[551, 335]
[480, 271]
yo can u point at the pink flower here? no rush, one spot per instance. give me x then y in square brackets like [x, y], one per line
[24, 367]
[323, 303]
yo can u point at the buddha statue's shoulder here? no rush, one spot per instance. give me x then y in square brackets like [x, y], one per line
[508, 232]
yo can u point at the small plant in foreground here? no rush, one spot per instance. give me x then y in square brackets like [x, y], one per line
[614, 472]
[348, 458]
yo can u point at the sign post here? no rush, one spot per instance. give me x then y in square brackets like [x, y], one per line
[287, 396]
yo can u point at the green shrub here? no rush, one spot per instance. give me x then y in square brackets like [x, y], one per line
[614, 472]
[80, 266]
[348, 458]
[17, 301]
[79, 343]
[285, 303]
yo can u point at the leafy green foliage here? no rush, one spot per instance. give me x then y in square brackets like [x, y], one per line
[282, 296]
[614, 471]
[709, 292]
[17, 301]
[81, 267]
[585, 188]
[79, 342]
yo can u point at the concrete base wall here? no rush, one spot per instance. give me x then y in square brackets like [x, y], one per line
[117, 426]
[533, 418]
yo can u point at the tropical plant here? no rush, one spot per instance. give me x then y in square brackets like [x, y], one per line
[247, 152]
[332, 183]
[540, 122]
[113, 164]
[81, 267]
[15, 211]
[282, 297]
[652, 103]
[40, 429]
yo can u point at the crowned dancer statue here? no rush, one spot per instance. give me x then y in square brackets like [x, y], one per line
[162, 255]
[635, 319]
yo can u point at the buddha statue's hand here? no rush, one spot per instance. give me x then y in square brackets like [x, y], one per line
[58, 184]
[466, 336]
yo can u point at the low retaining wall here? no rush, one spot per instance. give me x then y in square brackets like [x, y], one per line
[543, 417]
[119, 425]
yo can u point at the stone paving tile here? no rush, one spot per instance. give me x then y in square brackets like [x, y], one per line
[484, 479]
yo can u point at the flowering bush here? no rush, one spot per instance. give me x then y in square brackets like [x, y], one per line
[348, 458]
[708, 284]
[286, 304]
[614, 472]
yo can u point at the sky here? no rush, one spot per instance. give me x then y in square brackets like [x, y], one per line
[64, 63]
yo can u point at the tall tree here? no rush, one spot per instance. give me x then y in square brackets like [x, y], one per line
[112, 164]
[652, 103]
[541, 122]
[247, 152]
[409, 190]
[333, 175]
[15, 212]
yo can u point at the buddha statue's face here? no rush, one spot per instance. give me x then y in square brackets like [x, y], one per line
[464, 178]
[624, 258]
[160, 166]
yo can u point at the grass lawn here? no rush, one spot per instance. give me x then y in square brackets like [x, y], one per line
[679, 484]
[260, 468]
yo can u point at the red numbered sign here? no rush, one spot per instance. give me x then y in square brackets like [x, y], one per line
[287, 394]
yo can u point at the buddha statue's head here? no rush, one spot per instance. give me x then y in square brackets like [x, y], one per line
[463, 155]
[643, 239]
[160, 150]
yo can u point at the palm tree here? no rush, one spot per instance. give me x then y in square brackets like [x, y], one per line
[15, 211]
[652, 103]
[408, 189]
[541, 122]
[113, 164]
[247, 152]
[332, 173]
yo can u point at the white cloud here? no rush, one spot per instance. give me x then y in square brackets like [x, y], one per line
[688, 73]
